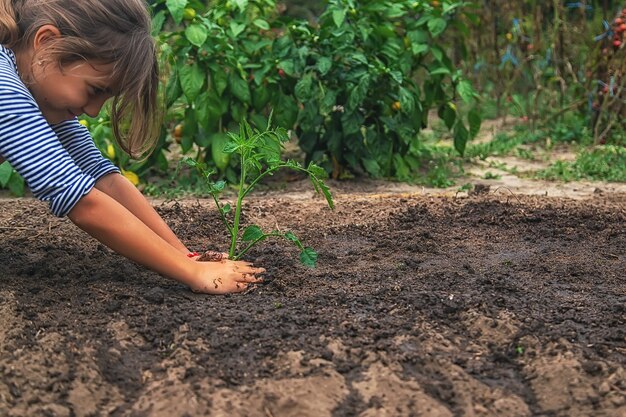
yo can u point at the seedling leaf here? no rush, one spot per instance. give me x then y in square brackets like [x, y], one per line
[252, 233]
[231, 147]
[218, 186]
[260, 154]
[315, 174]
[308, 257]
[5, 174]
[290, 236]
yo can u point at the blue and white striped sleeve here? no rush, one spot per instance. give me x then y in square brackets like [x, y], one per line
[31, 146]
[77, 140]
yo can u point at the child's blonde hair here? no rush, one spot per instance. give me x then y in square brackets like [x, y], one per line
[114, 32]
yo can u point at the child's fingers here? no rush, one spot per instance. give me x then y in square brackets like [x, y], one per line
[250, 270]
[212, 256]
[249, 278]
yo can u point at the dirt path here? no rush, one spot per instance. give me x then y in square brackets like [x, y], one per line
[497, 304]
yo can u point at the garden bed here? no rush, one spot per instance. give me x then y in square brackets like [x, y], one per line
[420, 306]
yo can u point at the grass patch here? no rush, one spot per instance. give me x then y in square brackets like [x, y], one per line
[604, 163]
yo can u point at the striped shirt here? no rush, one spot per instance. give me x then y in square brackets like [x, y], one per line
[60, 163]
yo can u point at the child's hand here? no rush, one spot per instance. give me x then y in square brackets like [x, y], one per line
[223, 276]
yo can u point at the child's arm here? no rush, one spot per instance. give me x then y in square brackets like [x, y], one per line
[129, 236]
[121, 190]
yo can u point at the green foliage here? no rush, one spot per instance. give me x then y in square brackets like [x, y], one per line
[11, 180]
[367, 77]
[357, 86]
[259, 154]
[603, 163]
[222, 69]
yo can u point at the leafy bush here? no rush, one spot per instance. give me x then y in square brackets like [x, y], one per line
[368, 75]
[357, 86]
[222, 70]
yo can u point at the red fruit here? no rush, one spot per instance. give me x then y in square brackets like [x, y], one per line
[622, 27]
[617, 43]
[618, 21]
[281, 72]
[530, 47]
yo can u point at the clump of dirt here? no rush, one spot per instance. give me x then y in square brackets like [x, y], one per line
[491, 305]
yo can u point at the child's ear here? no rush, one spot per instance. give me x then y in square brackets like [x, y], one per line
[45, 34]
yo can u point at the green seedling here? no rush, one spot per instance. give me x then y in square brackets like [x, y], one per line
[259, 153]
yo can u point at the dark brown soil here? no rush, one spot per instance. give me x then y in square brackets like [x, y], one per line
[420, 306]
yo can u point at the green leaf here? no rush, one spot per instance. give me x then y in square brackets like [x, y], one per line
[237, 28]
[461, 136]
[397, 76]
[231, 147]
[303, 88]
[316, 174]
[316, 170]
[16, 185]
[261, 24]
[323, 65]
[440, 71]
[6, 170]
[402, 169]
[252, 233]
[418, 36]
[308, 257]
[218, 187]
[196, 34]
[436, 26]
[240, 88]
[220, 79]
[475, 120]
[419, 48]
[394, 11]
[407, 100]
[466, 91]
[371, 166]
[448, 115]
[241, 4]
[172, 89]
[359, 93]
[220, 157]
[176, 8]
[437, 53]
[292, 238]
[288, 66]
[191, 80]
[157, 23]
[209, 109]
[339, 16]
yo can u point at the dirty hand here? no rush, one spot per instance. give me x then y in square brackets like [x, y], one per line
[219, 275]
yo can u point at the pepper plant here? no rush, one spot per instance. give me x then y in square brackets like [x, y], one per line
[369, 75]
[221, 70]
[259, 154]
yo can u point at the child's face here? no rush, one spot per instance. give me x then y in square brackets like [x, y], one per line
[75, 89]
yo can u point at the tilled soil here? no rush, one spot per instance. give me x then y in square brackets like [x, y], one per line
[420, 306]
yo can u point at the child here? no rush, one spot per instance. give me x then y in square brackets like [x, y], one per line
[63, 58]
